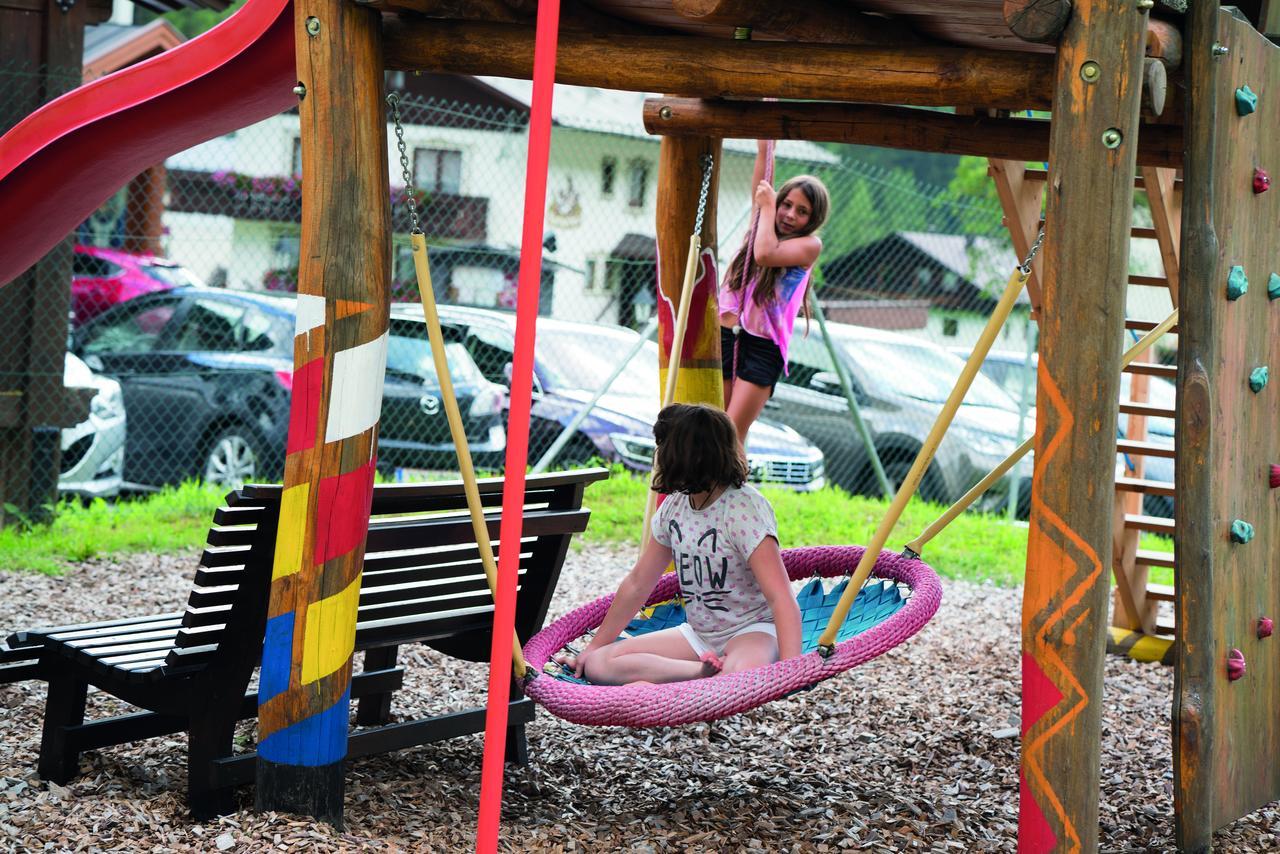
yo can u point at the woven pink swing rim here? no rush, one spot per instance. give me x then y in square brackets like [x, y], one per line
[729, 694]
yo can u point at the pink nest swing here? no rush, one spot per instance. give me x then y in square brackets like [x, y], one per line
[728, 694]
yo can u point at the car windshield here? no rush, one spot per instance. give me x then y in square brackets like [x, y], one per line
[920, 372]
[584, 358]
[409, 357]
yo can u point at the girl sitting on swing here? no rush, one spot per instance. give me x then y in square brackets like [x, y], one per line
[723, 539]
[766, 286]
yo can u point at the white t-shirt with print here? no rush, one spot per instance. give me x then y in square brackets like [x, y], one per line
[710, 549]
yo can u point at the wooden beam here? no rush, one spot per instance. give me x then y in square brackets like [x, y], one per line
[882, 126]
[574, 14]
[1164, 42]
[1092, 158]
[702, 67]
[339, 359]
[1039, 21]
[815, 21]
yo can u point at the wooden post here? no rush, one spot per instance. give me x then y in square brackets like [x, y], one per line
[1091, 167]
[679, 180]
[339, 364]
[144, 209]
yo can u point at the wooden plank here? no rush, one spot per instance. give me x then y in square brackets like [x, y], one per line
[1151, 369]
[1165, 196]
[1064, 609]
[1227, 735]
[815, 21]
[1146, 325]
[1021, 197]
[1146, 449]
[1014, 139]
[1148, 410]
[1145, 487]
[1152, 524]
[1154, 558]
[701, 67]
[1161, 592]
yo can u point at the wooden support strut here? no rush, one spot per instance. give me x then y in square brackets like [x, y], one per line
[703, 67]
[1017, 139]
[825, 21]
[1091, 166]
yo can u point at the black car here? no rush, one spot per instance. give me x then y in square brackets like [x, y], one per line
[207, 376]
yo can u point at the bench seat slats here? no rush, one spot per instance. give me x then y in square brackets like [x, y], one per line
[35, 637]
[224, 556]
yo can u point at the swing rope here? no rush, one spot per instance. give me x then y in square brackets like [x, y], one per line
[750, 240]
[1012, 289]
[457, 430]
[678, 334]
[914, 549]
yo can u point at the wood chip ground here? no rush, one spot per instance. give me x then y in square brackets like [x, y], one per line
[917, 751]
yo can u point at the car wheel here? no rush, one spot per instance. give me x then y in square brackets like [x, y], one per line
[896, 470]
[232, 458]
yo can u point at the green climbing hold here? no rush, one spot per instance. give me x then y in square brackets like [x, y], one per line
[1258, 379]
[1273, 286]
[1237, 283]
[1241, 531]
[1246, 100]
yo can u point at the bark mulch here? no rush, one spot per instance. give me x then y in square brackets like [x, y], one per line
[917, 751]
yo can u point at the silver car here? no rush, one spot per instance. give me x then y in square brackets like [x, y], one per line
[93, 450]
[900, 384]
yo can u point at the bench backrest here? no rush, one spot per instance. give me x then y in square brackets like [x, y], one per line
[422, 578]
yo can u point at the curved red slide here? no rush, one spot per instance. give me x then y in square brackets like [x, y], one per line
[64, 160]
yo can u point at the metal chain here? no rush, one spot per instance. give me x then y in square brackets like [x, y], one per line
[702, 194]
[409, 202]
[1025, 266]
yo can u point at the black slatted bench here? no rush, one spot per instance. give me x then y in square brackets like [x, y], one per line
[190, 670]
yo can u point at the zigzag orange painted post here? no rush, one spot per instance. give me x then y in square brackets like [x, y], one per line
[339, 363]
[679, 180]
[1091, 167]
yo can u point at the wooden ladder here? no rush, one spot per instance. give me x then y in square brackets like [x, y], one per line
[1021, 193]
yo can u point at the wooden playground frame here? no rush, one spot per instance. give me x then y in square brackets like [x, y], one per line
[1089, 62]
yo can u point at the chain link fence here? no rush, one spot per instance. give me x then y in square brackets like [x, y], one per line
[182, 322]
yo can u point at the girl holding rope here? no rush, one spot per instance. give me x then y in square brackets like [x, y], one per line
[723, 539]
[766, 286]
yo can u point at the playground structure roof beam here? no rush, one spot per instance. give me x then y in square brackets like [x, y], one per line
[702, 67]
[883, 126]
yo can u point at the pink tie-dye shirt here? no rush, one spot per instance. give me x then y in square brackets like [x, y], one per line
[774, 320]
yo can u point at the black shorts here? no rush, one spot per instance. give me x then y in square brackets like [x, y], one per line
[759, 360]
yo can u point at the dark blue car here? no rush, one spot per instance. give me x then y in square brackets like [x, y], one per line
[207, 375]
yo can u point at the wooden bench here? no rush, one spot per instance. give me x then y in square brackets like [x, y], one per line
[190, 670]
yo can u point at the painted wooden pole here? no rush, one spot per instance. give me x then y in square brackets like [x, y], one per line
[339, 362]
[1092, 154]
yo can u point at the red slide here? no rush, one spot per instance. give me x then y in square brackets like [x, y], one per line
[65, 159]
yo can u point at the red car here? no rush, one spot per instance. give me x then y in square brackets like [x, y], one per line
[102, 277]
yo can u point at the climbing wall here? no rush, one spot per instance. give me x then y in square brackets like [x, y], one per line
[1226, 725]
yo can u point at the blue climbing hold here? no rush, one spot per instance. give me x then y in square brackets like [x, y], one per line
[1237, 283]
[1246, 100]
[1241, 531]
[1258, 379]
[1273, 286]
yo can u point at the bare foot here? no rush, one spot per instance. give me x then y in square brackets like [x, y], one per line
[711, 663]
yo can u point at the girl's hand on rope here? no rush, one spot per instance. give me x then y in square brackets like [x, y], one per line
[766, 197]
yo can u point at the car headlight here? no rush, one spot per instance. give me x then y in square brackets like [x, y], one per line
[488, 401]
[636, 449]
[107, 403]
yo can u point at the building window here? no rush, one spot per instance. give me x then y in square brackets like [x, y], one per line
[608, 171]
[295, 163]
[638, 183]
[950, 327]
[437, 170]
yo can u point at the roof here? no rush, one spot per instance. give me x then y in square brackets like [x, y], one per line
[619, 113]
[109, 47]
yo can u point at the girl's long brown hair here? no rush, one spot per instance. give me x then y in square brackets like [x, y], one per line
[767, 277]
[697, 450]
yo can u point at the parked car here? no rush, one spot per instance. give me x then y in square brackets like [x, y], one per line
[572, 360]
[102, 277]
[93, 450]
[900, 384]
[207, 376]
[1010, 370]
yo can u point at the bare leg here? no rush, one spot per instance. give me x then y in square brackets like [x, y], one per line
[747, 404]
[728, 393]
[754, 649]
[663, 656]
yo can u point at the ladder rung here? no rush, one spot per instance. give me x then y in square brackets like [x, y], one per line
[1152, 369]
[1146, 557]
[1149, 487]
[1166, 629]
[1160, 592]
[1036, 175]
[1152, 524]
[1131, 408]
[1140, 184]
[1146, 325]
[1149, 281]
[1145, 449]
[1143, 233]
